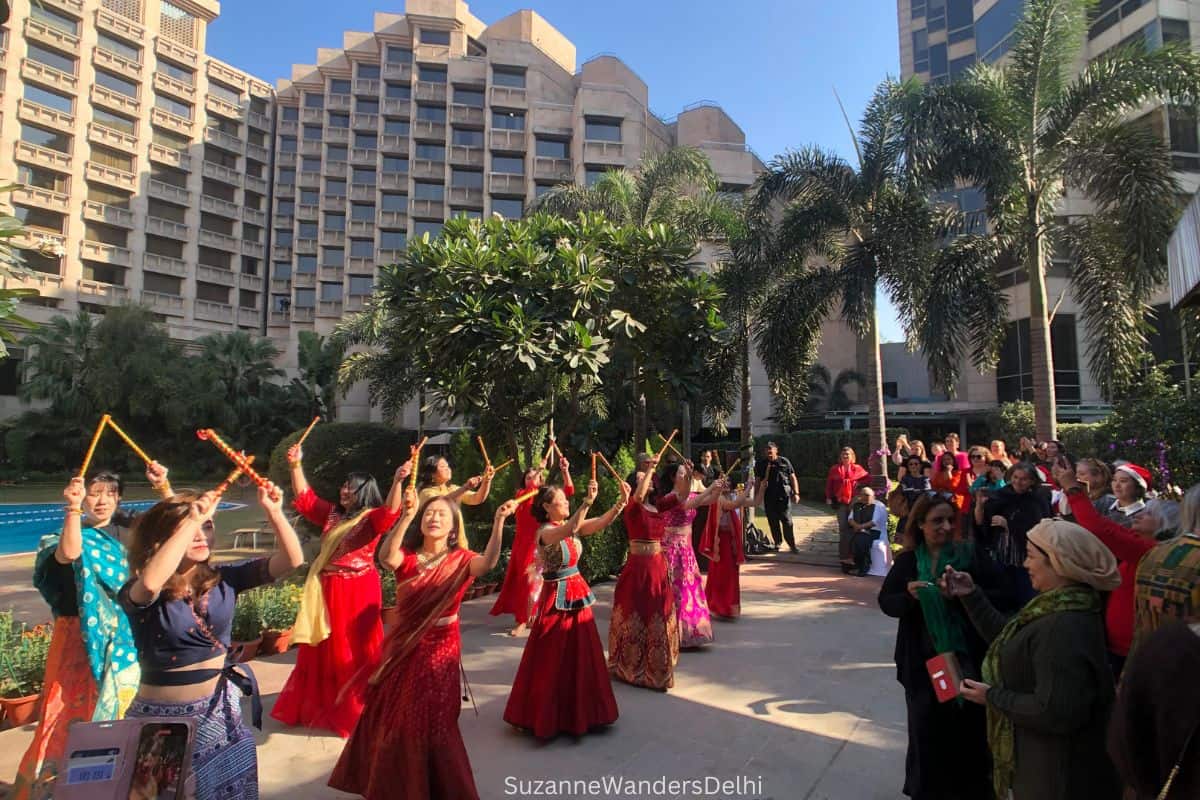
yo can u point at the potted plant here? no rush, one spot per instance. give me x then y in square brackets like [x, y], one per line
[247, 626]
[23, 654]
[387, 611]
[280, 605]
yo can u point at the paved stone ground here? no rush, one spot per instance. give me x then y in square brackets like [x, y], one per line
[816, 535]
[800, 693]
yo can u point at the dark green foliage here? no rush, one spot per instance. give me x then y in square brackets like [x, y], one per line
[334, 449]
[604, 552]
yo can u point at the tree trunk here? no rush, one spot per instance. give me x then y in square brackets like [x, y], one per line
[1041, 355]
[876, 423]
[745, 421]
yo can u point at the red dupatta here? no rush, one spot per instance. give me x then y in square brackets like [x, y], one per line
[710, 540]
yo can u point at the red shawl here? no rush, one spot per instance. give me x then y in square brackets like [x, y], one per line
[710, 544]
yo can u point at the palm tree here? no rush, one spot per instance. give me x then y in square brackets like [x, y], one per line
[58, 367]
[840, 234]
[829, 393]
[1029, 130]
[319, 358]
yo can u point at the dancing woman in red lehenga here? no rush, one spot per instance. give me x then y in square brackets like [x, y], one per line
[407, 745]
[562, 685]
[338, 628]
[722, 545]
[522, 579]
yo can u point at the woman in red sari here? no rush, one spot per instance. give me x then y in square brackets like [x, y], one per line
[722, 545]
[643, 637]
[407, 745]
[562, 685]
[338, 627]
[522, 579]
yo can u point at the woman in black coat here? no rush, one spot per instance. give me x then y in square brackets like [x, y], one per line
[1003, 520]
[947, 742]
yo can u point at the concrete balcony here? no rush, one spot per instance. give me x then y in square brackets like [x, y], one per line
[331, 273]
[364, 156]
[169, 192]
[312, 115]
[49, 76]
[468, 70]
[302, 314]
[165, 265]
[354, 302]
[166, 227]
[111, 137]
[114, 100]
[285, 191]
[309, 180]
[170, 122]
[467, 196]
[104, 294]
[361, 227]
[221, 106]
[253, 249]
[552, 119]
[513, 141]
[463, 156]
[329, 308]
[176, 52]
[279, 319]
[304, 280]
[595, 151]
[308, 212]
[38, 114]
[336, 169]
[506, 184]
[360, 264]
[114, 62]
[216, 205]
[288, 127]
[99, 212]
[310, 147]
[283, 220]
[333, 238]
[258, 153]
[393, 219]
[337, 136]
[41, 156]
[388, 256]
[305, 247]
[41, 198]
[105, 253]
[254, 217]
[509, 97]
[339, 102]
[260, 121]
[431, 92]
[249, 316]
[428, 209]
[110, 175]
[467, 115]
[164, 303]
[363, 193]
[285, 159]
[367, 87]
[221, 173]
[552, 169]
[435, 53]
[226, 75]
[425, 168]
[226, 141]
[394, 144]
[396, 107]
[254, 184]
[364, 122]
[402, 72]
[173, 158]
[281, 285]
[424, 129]
[213, 312]
[41, 33]
[220, 241]
[167, 85]
[258, 88]
[252, 283]
[393, 180]
[121, 26]
[210, 274]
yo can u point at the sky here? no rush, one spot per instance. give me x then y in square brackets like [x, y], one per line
[773, 65]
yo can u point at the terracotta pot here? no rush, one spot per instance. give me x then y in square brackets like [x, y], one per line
[244, 651]
[20, 711]
[274, 642]
[388, 615]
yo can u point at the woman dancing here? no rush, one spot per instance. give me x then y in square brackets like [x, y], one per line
[722, 545]
[181, 611]
[643, 637]
[338, 627]
[91, 672]
[522, 579]
[433, 480]
[407, 745]
[562, 685]
[678, 506]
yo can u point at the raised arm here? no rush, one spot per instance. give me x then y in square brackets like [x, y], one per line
[288, 555]
[557, 533]
[165, 561]
[1123, 542]
[295, 457]
[395, 498]
[564, 466]
[156, 473]
[481, 564]
[479, 487]
[644, 480]
[389, 549]
[70, 544]
[589, 526]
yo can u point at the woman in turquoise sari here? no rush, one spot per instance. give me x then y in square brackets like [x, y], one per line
[92, 669]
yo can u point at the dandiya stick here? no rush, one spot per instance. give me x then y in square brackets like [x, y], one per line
[132, 446]
[308, 430]
[224, 485]
[521, 498]
[676, 452]
[667, 444]
[733, 466]
[593, 466]
[616, 477]
[87, 459]
[487, 461]
[208, 434]
[416, 458]
[502, 466]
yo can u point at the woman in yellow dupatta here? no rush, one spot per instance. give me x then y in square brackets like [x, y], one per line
[433, 480]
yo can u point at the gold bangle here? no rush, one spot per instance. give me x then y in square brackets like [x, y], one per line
[294, 462]
[70, 510]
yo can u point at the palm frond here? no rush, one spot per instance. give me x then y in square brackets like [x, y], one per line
[1042, 58]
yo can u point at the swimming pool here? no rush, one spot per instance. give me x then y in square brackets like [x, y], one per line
[22, 525]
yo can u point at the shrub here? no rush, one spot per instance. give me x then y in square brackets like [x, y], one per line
[1157, 426]
[23, 654]
[1010, 421]
[248, 623]
[604, 552]
[387, 581]
[278, 605]
[334, 449]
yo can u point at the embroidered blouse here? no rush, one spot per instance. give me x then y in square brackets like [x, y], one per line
[356, 552]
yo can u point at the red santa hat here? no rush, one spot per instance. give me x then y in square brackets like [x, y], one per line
[1139, 474]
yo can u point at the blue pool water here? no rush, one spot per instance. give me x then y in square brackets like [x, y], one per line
[22, 525]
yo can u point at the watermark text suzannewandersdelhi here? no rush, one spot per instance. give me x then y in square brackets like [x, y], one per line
[743, 786]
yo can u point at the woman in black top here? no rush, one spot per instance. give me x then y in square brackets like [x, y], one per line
[1003, 519]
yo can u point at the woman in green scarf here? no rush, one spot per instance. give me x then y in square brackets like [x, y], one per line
[1046, 682]
[947, 744]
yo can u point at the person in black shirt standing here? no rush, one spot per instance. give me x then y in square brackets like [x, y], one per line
[775, 481]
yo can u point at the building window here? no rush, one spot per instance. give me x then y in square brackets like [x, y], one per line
[366, 141]
[935, 15]
[430, 74]
[287, 176]
[367, 72]
[432, 152]
[466, 179]
[185, 76]
[306, 265]
[553, 148]
[920, 45]
[314, 100]
[468, 97]
[994, 29]
[362, 106]
[362, 248]
[431, 113]
[39, 218]
[399, 55]
[282, 271]
[508, 76]
[599, 129]
[395, 127]
[424, 226]
[509, 208]
[1166, 341]
[509, 165]
[312, 133]
[392, 240]
[960, 65]
[466, 138]
[229, 95]
[339, 120]
[515, 121]
[309, 197]
[50, 58]
[335, 222]
[10, 370]
[1014, 372]
[361, 285]
[53, 18]
[112, 158]
[119, 46]
[430, 36]
[331, 292]
[1185, 143]
[177, 24]
[360, 212]
[333, 256]
[398, 91]
[306, 298]
[292, 114]
[395, 202]
[51, 140]
[307, 230]
[287, 144]
[363, 177]
[335, 188]
[959, 14]
[49, 99]
[939, 66]
[55, 182]
[285, 208]
[395, 165]
[162, 284]
[1106, 13]
[336, 153]
[429, 191]
[469, 213]
[172, 106]
[340, 86]
[593, 174]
